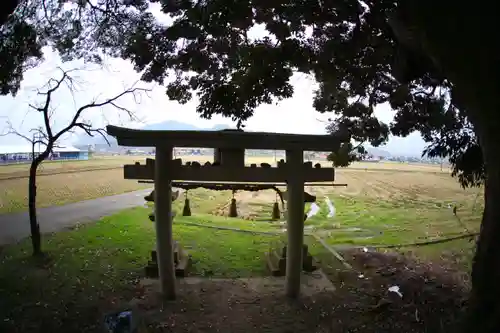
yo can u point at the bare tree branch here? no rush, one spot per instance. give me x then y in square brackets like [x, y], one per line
[12, 131]
[38, 135]
[45, 134]
[45, 108]
[110, 101]
[92, 131]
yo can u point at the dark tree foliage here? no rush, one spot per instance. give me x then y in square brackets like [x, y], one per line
[407, 54]
[18, 48]
[209, 50]
[348, 47]
[9, 6]
[76, 29]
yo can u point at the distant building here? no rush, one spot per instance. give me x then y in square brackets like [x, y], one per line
[23, 154]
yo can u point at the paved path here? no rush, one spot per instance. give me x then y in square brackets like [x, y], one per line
[15, 226]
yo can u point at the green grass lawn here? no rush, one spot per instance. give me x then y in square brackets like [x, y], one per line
[91, 268]
[365, 222]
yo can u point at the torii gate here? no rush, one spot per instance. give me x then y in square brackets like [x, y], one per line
[230, 154]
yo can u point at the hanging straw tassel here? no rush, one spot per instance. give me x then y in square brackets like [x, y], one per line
[186, 211]
[233, 211]
[150, 197]
[276, 211]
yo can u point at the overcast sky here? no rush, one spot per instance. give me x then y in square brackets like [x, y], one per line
[295, 115]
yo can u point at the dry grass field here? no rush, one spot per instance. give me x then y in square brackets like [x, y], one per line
[72, 181]
[64, 182]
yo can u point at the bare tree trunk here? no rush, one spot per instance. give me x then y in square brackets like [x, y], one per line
[437, 29]
[484, 308]
[484, 303]
[36, 238]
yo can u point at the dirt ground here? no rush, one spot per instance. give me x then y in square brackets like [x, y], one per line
[432, 300]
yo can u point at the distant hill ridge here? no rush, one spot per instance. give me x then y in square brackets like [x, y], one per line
[172, 125]
[377, 152]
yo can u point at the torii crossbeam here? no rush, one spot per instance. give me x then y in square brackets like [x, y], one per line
[229, 167]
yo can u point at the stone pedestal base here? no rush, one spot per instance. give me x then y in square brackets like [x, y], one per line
[276, 260]
[182, 261]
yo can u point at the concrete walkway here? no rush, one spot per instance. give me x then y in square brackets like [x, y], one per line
[15, 226]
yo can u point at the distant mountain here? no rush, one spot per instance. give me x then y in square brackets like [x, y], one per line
[172, 125]
[85, 140]
[377, 152]
[219, 127]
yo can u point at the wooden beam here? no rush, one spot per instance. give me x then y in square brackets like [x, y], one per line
[295, 223]
[200, 184]
[232, 158]
[235, 174]
[138, 171]
[217, 155]
[163, 221]
[223, 139]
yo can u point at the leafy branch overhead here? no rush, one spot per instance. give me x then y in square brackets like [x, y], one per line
[211, 49]
[350, 49]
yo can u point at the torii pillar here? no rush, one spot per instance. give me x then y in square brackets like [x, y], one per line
[295, 221]
[295, 174]
[163, 221]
